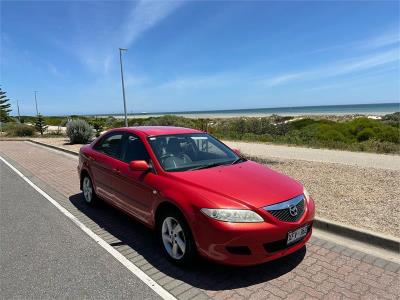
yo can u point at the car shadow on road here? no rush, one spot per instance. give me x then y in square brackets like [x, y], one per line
[204, 274]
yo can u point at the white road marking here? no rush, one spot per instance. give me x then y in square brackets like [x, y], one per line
[118, 256]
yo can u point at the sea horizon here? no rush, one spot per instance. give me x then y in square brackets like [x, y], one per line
[377, 109]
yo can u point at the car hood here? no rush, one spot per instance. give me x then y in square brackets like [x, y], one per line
[249, 183]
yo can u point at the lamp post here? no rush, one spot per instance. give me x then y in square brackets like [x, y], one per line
[123, 84]
[37, 112]
[19, 116]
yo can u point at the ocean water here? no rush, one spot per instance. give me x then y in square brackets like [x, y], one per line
[367, 109]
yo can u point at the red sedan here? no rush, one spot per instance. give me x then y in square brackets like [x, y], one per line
[198, 194]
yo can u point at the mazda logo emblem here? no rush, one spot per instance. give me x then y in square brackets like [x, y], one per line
[293, 210]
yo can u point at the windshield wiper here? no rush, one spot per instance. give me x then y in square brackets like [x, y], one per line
[238, 160]
[207, 166]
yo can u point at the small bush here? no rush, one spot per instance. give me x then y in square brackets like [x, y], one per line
[40, 124]
[98, 125]
[15, 129]
[79, 131]
[365, 134]
[110, 121]
[63, 122]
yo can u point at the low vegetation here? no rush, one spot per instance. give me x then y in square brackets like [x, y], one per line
[359, 134]
[356, 134]
[346, 133]
[79, 131]
[18, 130]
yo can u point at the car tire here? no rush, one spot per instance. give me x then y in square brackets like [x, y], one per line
[89, 194]
[176, 239]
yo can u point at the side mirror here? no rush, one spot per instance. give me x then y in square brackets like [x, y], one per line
[237, 151]
[139, 165]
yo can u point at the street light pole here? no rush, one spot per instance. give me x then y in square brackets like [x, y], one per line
[123, 84]
[37, 112]
[19, 116]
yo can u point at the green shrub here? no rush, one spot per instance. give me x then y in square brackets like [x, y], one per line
[63, 122]
[16, 129]
[40, 124]
[392, 119]
[110, 121]
[79, 131]
[365, 134]
[53, 121]
[98, 125]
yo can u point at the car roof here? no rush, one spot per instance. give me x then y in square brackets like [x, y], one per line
[159, 130]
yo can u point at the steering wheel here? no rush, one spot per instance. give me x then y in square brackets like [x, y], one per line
[164, 156]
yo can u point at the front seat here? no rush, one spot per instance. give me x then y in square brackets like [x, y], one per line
[177, 157]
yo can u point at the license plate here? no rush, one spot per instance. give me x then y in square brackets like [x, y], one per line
[298, 234]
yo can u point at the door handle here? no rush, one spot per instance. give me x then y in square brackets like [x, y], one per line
[116, 171]
[91, 158]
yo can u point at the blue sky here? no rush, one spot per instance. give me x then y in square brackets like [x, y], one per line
[198, 55]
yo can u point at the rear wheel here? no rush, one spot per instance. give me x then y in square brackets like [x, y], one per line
[88, 190]
[176, 239]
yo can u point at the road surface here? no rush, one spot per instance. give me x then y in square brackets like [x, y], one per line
[45, 255]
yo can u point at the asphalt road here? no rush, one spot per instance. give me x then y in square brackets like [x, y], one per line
[44, 255]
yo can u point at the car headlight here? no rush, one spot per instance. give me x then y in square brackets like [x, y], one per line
[233, 215]
[306, 194]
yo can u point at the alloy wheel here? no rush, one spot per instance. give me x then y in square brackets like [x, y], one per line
[87, 189]
[173, 238]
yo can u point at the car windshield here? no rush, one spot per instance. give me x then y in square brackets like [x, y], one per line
[182, 152]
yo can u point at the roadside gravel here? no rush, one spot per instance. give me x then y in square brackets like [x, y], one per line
[360, 159]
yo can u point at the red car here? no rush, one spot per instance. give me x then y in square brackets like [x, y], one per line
[201, 196]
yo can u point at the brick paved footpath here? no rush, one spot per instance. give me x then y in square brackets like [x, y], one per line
[322, 270]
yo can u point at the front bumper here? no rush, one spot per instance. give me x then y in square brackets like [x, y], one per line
[245, 244]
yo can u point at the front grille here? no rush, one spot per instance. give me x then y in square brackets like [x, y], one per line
[288, 211]
[239, 250]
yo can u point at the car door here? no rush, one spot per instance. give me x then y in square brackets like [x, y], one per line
[103, 159]
[135, 188]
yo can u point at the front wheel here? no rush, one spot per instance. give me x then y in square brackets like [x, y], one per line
[176, 239]
[88, 190]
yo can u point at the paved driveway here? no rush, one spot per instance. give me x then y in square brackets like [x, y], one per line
[322, 270]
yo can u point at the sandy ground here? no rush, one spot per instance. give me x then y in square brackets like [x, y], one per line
[359, 189]
[360, 159]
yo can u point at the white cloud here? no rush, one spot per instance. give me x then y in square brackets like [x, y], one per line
[382, 40]
[97, 46]
[337, 68]
[145, 15]
[54, 70]
[281, 79]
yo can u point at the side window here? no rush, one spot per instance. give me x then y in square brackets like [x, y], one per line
[111, 145]
[134, 149]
